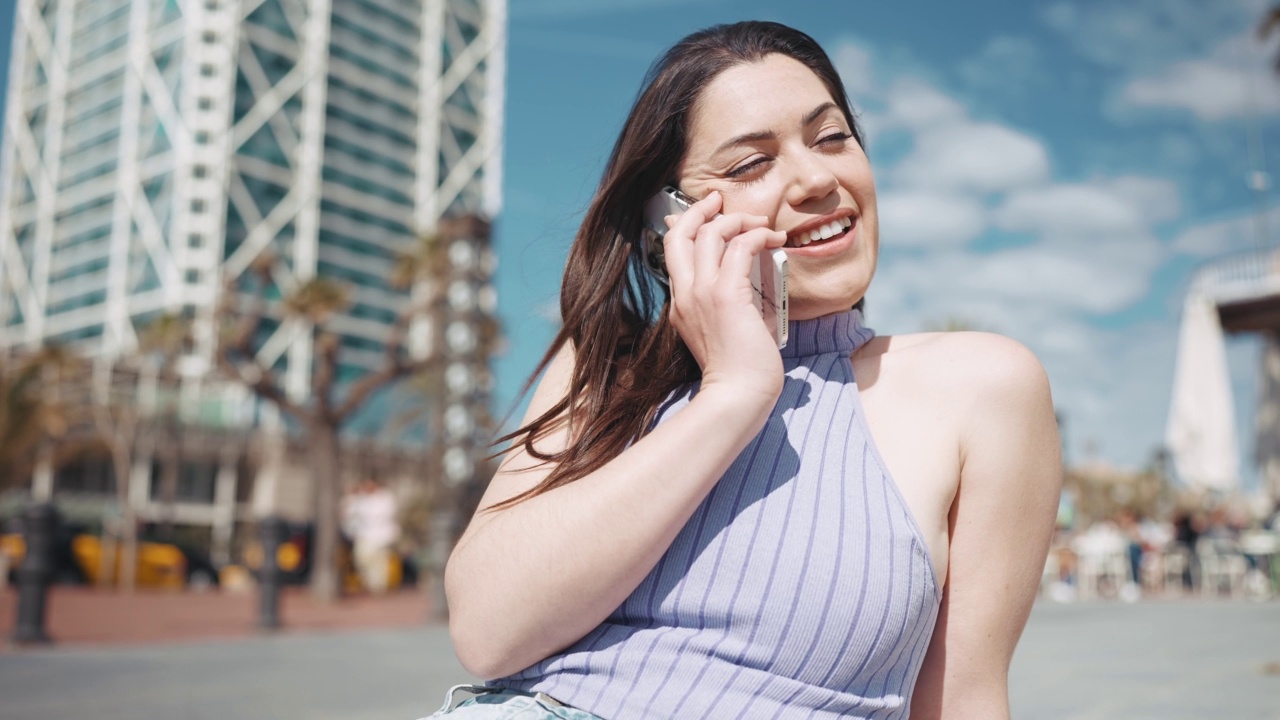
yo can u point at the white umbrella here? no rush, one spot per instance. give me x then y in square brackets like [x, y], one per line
[1201, 434]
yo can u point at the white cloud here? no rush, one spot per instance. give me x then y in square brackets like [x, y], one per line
[981, 157]
[1233, 234]
[1075, 210]
[929, 218]
[1143, 35]
[853, 62]
[1005, 63]
[1060, 278]
[917, 105]
[1184, 55]
[1233, 82]
[1156, 199]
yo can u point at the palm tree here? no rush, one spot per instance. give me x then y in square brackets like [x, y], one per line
[1270, 22]
[30, 410]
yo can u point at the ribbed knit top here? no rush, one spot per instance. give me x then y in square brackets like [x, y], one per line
[801, 587]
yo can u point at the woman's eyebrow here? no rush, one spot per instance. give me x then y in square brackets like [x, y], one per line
[817, 112]
[746, 138]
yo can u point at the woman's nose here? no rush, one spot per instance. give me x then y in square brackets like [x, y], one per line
[812, 180]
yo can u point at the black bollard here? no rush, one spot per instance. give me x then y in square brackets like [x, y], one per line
[271, 533]
[39, 529]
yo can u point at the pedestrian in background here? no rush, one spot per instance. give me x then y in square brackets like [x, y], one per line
[370, 519]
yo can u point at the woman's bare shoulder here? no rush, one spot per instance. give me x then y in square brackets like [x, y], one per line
[965, 366]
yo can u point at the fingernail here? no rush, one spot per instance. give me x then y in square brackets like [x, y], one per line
[670, 219]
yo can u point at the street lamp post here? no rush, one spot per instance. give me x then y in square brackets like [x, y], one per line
[468, 332]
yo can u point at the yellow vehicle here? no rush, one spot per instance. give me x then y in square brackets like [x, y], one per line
[159, 565]
[294, 561]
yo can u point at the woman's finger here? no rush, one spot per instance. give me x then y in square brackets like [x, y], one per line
[712, 238]
[743, 249]
[677, 245]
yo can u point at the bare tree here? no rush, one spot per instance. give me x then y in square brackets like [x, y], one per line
[132, 409]
[322, 415]
[163, 341]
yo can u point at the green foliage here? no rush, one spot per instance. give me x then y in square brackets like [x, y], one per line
[318, 299]
[426, 260]
[28, 410]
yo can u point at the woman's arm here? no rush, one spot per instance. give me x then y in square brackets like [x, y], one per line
[532, 578]
[1000, 525]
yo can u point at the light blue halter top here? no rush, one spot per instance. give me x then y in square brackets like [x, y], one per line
[800, 588]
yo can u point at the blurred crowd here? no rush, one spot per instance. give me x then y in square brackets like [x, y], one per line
[1222, 551]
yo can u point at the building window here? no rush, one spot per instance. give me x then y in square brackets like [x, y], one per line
[210, 36]
[207, 70]
[200, 171]
[205, 103]
[211, 5]
[195, 240]
[193, 276]
[197, 206]
[202, 137]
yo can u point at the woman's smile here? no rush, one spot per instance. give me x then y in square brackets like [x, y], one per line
[823, 231]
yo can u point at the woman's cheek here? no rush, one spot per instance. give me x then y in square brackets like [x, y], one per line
[756, 199]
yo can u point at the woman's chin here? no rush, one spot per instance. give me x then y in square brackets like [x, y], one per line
[802, 307]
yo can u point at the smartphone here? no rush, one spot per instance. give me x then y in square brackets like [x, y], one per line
[768, 272]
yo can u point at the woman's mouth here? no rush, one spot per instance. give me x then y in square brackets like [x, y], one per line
[820, 234]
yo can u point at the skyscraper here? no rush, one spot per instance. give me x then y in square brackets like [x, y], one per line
[154, 149]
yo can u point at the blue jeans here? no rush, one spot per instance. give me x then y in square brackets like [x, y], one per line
[504, 704]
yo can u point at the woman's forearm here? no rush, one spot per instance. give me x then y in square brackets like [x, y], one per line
[530, 579]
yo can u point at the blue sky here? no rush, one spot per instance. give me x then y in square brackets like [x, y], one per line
[1053, 171]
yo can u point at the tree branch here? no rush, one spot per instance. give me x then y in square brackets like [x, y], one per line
[326, 369]
[395, 366]
[263, 383]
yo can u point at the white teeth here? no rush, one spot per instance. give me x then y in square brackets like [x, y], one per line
[822, 232]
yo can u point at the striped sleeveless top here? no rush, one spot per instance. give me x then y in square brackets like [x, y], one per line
[801, 587]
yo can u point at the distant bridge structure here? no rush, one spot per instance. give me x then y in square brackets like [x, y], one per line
[1245, 288]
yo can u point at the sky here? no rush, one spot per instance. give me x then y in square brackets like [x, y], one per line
[1052, 171]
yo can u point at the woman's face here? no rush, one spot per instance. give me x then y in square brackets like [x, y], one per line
[771, 139]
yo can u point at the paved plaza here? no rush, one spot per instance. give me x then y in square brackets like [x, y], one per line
[1158, 660]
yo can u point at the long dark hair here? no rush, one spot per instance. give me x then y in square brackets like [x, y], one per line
[627, 355]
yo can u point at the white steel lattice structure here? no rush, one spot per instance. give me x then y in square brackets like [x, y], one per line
[154, 149]
[1246, 290]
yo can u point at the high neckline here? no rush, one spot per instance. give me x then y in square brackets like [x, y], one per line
[836, 333]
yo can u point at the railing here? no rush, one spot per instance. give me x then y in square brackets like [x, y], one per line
[1240, 277]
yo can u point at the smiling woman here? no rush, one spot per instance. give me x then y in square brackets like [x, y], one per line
[693, 524]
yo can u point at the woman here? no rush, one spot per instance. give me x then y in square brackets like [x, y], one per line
[692, 524]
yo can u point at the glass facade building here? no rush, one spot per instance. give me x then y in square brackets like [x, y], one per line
[156, 150]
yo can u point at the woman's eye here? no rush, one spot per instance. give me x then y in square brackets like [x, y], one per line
[835, 138]
[748, 167]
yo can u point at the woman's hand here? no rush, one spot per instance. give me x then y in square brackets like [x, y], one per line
[709, 261]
